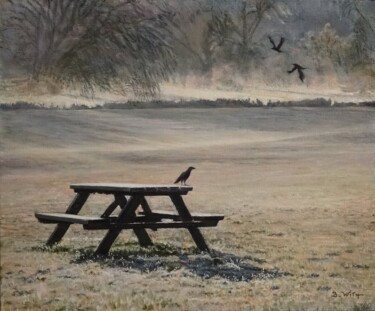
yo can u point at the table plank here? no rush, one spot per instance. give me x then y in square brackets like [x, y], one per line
[150, 225]
[175, 215]
[129, 189]
[69, 218]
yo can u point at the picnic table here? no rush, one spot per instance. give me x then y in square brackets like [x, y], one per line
[129, 197]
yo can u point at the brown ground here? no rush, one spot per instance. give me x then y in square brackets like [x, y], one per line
[297, 187]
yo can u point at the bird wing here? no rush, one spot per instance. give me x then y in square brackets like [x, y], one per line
[298, 66]
[272, 42]
[301, 75]
[280, 43]
[294, 68]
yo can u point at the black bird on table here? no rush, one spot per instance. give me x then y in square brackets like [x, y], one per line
[300, 69]
[184, 176]
[278, 47]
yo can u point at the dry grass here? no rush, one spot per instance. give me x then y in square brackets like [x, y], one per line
[195, 89]
[296, 186]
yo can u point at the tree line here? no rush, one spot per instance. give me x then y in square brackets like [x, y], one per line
[134, 45]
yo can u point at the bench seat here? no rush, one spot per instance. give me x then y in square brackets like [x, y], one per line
[54, 218]
[151, 225]
[176, 216]
[153, 221]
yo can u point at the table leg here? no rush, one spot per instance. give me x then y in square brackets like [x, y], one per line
[185, 215]
[113, 206]
[126, 214]
[74, 208]
[142, 235]
[146, 208]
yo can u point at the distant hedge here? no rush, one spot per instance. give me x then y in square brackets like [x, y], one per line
[218, 103]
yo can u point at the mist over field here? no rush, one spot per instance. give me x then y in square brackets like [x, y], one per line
[296, 186]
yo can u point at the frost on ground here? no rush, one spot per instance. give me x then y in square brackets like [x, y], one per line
[295, 185]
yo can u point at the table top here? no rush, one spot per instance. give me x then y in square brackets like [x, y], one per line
[125, 188]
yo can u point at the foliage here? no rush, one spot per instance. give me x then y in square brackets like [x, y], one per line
[344, 53]
[355, 9]
[101, 44]
[363, 30]
[327, 45]
[224, 32]
[360, 44]
[134, 45]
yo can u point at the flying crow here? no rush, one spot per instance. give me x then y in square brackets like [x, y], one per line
[184, 176]
[300, 72]
[278, 47]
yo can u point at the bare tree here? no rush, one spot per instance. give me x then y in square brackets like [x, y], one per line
[357, 10]
[117, 44]
[211, 32]
[327, 47]
[234, 28]
[188, 28]
[362, 14]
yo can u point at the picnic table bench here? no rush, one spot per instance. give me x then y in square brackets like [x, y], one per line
[129, 197]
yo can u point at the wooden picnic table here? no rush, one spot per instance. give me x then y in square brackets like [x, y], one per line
[129, 197]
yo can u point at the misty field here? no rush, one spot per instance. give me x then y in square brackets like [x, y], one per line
[297, 187]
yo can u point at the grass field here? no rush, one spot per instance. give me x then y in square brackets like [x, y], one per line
[297, 186]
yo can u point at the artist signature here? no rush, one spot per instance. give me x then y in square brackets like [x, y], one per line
[346, 294]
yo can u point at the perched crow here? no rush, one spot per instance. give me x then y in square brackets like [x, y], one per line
[278, 47]
[184, 176]
[300, 72]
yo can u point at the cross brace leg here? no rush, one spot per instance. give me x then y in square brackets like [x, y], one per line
[126, 215]
[185, 215]
[142, 235]
[74, 208]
